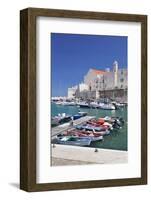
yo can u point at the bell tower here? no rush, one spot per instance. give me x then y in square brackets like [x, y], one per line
[115, 70]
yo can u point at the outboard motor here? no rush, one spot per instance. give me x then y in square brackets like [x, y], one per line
[117, 124]
[121, 120]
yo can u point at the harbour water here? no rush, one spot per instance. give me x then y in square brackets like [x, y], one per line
[117, 140]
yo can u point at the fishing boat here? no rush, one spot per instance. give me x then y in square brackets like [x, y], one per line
[108, 119]
[90, 128]
[102, 132]
[107, 122]
[118, 105]
[84, 105]
[61, 118]
[82, 134]
[73, 140]
[82, 113]
[68, 103]
[106, 106]
[94, 105]
[79, 115]
[58, 102]
[117, 122]
[89, 133]
[98, 123]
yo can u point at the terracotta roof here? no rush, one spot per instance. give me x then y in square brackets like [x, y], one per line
[99, 71]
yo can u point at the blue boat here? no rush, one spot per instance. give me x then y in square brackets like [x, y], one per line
[79, 115]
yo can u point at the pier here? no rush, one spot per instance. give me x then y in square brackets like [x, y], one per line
[74, 155]
[56, 130]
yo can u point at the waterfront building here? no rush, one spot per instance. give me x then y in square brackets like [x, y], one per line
[107, 83]
[82, 91]
[72, 92]
[110, 83]
[91, 78]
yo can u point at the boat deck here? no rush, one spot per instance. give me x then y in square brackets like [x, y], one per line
[67, 126]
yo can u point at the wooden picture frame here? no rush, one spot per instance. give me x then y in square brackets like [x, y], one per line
[28, 98]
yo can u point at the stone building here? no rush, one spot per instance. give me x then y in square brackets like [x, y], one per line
[107, 83]
[110, 83]
[72, 92]
[82, 91]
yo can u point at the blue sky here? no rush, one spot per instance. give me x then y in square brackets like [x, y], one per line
[72, 55]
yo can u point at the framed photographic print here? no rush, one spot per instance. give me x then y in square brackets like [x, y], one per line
[83, 99]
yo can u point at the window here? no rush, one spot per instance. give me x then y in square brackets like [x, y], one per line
[122, 80]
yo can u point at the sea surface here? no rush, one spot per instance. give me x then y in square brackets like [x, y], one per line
[117, 140]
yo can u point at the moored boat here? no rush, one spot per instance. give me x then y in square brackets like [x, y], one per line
[82, 134]
[73, 140]
[58, 102]
[82, 113]
[79, 115]
[97, 123]
[68, 103]
[106, 106]
[116, 122]
[87, 133]
[90, 128]
[61, 118]
[84, 105]
[118, 104]
[94, 105]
